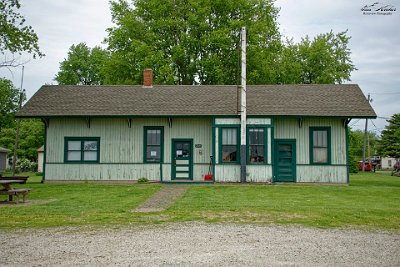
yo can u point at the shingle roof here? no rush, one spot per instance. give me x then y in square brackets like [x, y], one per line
[337, 100]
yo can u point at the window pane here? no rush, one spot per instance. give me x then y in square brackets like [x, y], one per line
[256, 136]
[153, 153]
[256, 153]
[74, 145]
[153, 137]
[229, 136]
[74, 155]
[90, 155]
[320, 138]
[320, 155]
[90, 145]
[229, 153]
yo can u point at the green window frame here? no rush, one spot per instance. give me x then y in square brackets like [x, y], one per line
[229, 145]
[153, 149]
[320, 145]
[81, 149]
[257, 145]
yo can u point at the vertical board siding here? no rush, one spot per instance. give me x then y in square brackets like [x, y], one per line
[121, 147]
[221, 121]
[289, 129]
[322, 174]
[259, 173]
[259, 121]
[102, 171]
[227, 173]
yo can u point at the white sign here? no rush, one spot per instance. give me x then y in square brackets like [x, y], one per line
[179, 152]
[153, 153]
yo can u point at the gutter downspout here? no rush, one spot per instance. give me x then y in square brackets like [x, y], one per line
[243, 111]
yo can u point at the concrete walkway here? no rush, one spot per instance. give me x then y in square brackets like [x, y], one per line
[163, 198]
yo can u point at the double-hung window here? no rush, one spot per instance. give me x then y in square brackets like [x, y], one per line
[256, 145]
[82, 149]
[320, 150]
[229, 145]
[153, 137]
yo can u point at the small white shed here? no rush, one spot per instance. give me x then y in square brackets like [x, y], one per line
[40, 158]
[388, 163]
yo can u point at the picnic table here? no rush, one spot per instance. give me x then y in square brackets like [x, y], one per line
[11, 192]
[22, 179]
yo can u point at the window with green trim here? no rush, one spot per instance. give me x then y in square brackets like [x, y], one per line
[320, 150]
[153, 144]
[229, 145]
[82, 149]
[256, 145]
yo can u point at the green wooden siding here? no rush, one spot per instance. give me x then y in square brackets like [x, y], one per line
[336, 171]
[289, 129]
[121, 154]
[322, 174]
[228, 172]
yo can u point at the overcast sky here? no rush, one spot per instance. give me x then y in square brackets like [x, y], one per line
[375, 42]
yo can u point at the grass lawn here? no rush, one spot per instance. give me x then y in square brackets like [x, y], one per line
[371, 201]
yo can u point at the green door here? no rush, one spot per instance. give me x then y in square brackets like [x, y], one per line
[182, 160]
[285, 161]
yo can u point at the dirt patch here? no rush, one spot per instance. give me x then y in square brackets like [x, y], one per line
[163, 198]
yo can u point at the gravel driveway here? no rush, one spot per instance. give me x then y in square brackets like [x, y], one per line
[199, 244]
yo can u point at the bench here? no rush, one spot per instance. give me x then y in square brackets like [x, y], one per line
[16, 192]
[22, 178]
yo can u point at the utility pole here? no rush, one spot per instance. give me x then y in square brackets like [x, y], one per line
[243, 110]
[365, 139]
[21, 99]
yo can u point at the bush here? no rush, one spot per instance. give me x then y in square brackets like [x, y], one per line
[353, 165]
[24, 165]
[143, 180]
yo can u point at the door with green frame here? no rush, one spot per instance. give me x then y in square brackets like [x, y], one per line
[182, 156]
[285, 160]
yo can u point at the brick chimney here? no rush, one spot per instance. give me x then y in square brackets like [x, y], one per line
[148, 78]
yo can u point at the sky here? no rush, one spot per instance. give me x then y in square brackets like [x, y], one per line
[374, 43]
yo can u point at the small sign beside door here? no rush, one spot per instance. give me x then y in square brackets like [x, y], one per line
[198, 145]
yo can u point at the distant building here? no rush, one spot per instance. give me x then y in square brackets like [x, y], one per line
[388, 163]
[40, 159]
[3, 158]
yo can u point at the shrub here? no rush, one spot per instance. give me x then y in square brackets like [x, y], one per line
[143, 180]
[24, 165]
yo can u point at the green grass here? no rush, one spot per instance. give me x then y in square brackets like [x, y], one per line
[371, 201]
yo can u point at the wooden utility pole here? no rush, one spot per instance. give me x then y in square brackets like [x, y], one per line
[365, 139]
[21, 99]
[243, 114]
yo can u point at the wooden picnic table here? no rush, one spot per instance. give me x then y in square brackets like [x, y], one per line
[11, 192]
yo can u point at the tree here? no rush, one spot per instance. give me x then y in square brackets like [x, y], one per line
[191, 42]
[83, 66]
[356, 143]
[31, 138]
[15, 36]
[324, 60]
[389, 146]
[9, 98]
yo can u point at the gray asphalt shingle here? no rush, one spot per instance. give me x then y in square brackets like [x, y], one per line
[337, 100]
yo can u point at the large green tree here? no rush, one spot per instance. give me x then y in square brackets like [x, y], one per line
[323, 60]
[15, 35]
[389, 145]
[83, 66]
[9, 99]
[190, 42]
